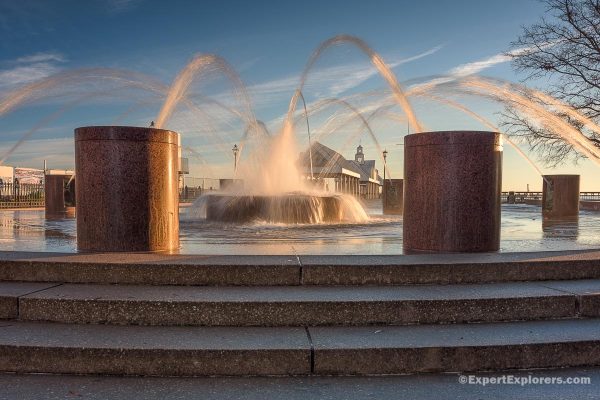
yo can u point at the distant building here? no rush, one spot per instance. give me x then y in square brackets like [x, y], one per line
[29, 175]
[370, 181]
[331, 171]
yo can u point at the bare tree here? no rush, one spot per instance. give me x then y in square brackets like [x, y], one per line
[564, 50]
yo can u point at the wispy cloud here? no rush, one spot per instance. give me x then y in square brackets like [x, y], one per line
[349, 78]
[119, 6]
[30, 68]
[327, 82]
[25, 74]
[480, 65]
[41, 57]
[472, 68]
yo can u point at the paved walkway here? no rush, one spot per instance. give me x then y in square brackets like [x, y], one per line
[413, 387]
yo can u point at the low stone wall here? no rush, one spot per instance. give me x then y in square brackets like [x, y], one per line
[294, 209]
[533, 202]
[589, 205]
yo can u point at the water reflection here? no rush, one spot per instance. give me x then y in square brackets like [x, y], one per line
[566, 229]
[523, 229]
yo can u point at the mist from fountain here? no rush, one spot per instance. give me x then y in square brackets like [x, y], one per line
[377, 61]
[45, 88]
[508, 95]
[358, 115]
[200, 66]
[489, 125]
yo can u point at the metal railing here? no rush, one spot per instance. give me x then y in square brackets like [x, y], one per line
[524, 197]
[589, 196]
[195, 187]
[21, 195]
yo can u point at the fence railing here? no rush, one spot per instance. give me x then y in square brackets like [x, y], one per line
[26, 195]
[20, 195]
[192, 188]
[589, 196]
[524, 197]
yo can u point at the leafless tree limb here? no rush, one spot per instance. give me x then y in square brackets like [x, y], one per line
[564, 49]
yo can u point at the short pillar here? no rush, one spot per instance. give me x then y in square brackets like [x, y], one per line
[127, 196]
[452, 188]
[560, 197]
[511, 199]
[393, 196]
[59, 195]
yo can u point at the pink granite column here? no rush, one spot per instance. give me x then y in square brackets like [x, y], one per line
[393, 194]
[452, 187]
[126, 189]
[560, 197]
[59, 195]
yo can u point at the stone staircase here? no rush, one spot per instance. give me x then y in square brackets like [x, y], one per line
[157, 315]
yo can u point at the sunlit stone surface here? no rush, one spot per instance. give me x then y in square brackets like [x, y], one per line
[560, 197]
[59, 195]
[452, 185]
[126, 189]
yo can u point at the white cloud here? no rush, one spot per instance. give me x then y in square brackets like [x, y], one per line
[25, 74]
[118, 6]
[30, 68]
[330, 82]
[475, 67]
[472, 68]
[350, 76]
[478, 66]
[41, 57]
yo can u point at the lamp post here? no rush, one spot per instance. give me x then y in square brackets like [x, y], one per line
[236, 151]
[384, 194]
[385, 153]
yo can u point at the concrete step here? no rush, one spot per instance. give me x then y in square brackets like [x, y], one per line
[149, 269]
[194, 351]
[455, 348]
[409, 387]
[10, 293]
[309, 305]
[164, 351]
[162, 269]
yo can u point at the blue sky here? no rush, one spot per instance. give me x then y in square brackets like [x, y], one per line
[268, 43]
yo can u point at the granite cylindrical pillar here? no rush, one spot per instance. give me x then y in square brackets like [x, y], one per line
[560, 196]
[127, 196]
[452, 188]
[59, 195]
[393, 196]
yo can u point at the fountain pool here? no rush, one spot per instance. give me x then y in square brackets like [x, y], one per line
[522, 229]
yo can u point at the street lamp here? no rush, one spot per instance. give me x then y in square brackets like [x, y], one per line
[236, 151]
[384, 163]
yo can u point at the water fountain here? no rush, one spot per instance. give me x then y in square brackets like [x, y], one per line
[274, 190]
[286, 208]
